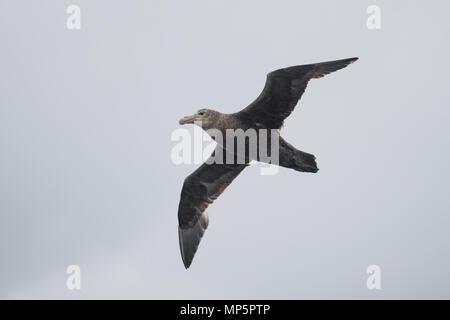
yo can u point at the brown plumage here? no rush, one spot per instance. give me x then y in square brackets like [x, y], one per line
[282, 91]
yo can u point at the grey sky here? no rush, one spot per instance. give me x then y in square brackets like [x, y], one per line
[85, 170]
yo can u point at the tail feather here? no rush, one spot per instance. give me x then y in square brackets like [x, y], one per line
[304, 162]
[295, 159]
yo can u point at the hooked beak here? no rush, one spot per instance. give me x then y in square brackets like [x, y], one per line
[187, 119]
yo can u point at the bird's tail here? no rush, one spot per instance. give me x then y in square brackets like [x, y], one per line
[301, 161]
[295, 159]
[305, 162]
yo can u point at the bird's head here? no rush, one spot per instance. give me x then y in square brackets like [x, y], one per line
[204, 118]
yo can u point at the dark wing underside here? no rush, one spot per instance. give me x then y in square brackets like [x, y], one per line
[200, 189]
[283, 89]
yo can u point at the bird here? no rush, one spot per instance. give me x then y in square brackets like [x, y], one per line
[282, 91]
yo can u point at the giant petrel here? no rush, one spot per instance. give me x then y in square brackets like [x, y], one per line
[282, 91]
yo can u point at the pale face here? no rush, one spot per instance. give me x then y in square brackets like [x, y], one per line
[203, 118]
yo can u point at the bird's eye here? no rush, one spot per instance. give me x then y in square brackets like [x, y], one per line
[201, 113]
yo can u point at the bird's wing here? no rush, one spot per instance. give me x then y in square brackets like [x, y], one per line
[200, 189]
[283, 89]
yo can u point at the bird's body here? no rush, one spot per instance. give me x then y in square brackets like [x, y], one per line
[260, 123]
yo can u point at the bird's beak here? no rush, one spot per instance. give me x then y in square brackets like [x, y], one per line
[187, 119]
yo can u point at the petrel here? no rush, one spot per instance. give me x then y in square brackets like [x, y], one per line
[282, 91]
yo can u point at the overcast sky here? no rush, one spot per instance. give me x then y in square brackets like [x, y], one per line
[86, 176]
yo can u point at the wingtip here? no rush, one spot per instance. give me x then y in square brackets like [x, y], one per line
[346, 61]
[187, 261]
[189, 239]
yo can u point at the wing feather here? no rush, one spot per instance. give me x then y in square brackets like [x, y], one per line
[200, 189]
[284, 88]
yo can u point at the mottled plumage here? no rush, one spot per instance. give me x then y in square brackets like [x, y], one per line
[283, 89]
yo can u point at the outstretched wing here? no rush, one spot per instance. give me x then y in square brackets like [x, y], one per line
[283, 89]
[200, 189]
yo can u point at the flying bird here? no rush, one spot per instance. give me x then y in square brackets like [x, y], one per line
[282, 91]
